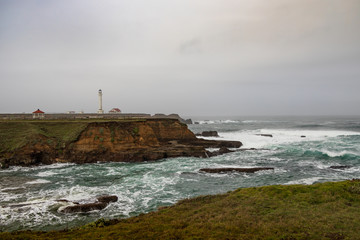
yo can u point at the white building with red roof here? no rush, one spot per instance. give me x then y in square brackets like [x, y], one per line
[115, 110]
[38, 114]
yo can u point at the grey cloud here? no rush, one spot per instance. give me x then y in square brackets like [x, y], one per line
[204, 57]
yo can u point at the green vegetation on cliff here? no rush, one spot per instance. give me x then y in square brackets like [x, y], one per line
[16, 134]
[320, 211]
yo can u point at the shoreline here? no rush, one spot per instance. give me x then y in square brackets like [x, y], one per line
[291, 211]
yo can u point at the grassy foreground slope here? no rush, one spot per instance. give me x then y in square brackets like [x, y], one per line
[320, 211]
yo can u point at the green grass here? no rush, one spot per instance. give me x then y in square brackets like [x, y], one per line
[320, 211]
[14, 135]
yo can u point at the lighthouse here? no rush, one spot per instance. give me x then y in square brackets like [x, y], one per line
[100, 102]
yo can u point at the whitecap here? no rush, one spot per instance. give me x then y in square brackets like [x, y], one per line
[46, 174]
[306, 181]
[217, 121]
[11, 188]
[338, 154]
[38, 181]
[252, 139]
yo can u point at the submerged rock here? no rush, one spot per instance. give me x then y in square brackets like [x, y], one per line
[107, 198]
[265, 135]
[340, 167]
[225, 170]
[254, 149]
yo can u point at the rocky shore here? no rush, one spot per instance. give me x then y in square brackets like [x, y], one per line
[319, 211]
[105, 141]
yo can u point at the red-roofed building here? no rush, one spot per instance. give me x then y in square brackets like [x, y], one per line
[38, 114]
[115, 110]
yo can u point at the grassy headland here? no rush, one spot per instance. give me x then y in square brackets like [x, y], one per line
[320, 211]
[15, 134]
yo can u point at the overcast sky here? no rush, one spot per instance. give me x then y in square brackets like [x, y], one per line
[192, 57]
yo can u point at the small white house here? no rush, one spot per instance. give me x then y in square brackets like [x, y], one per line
[115, 110]
[38, 114]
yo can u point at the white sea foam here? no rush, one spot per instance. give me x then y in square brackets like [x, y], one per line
[259, 121]
[250, 138]
[306, 181]
[217, 121]
[11, 188]
[338, 154]
[46, 173]
[27, 169]
[38, 181]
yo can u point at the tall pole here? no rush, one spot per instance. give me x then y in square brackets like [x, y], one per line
[100, 102]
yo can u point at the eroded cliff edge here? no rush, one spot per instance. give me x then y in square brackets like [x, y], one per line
[102, 141]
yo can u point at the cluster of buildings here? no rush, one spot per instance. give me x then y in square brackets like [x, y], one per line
[38, 114]
[114, 113]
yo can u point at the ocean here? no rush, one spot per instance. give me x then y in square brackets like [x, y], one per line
[301, 151]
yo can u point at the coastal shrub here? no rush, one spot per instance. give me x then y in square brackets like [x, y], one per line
[101, 139]
[112, 139]
[96, 138]
[49, 141]
[135, 131]
[101, 130]
[355, 188]
[112, 130]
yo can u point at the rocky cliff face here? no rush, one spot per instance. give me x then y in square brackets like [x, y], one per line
[117, 141]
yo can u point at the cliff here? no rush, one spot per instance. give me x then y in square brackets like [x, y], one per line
[29, 142]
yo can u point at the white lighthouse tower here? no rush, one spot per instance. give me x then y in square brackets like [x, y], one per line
[100, 102]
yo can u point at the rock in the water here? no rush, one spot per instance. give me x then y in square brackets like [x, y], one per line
[221, 151]
[66, 201]
[254, 149]
[265, 135]
[188, 121]
[303, 136]
[208, 134]
[340, 167]
[87, 207]
[215, 143]
[107, 198]
[225, 170]
[101, 203]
